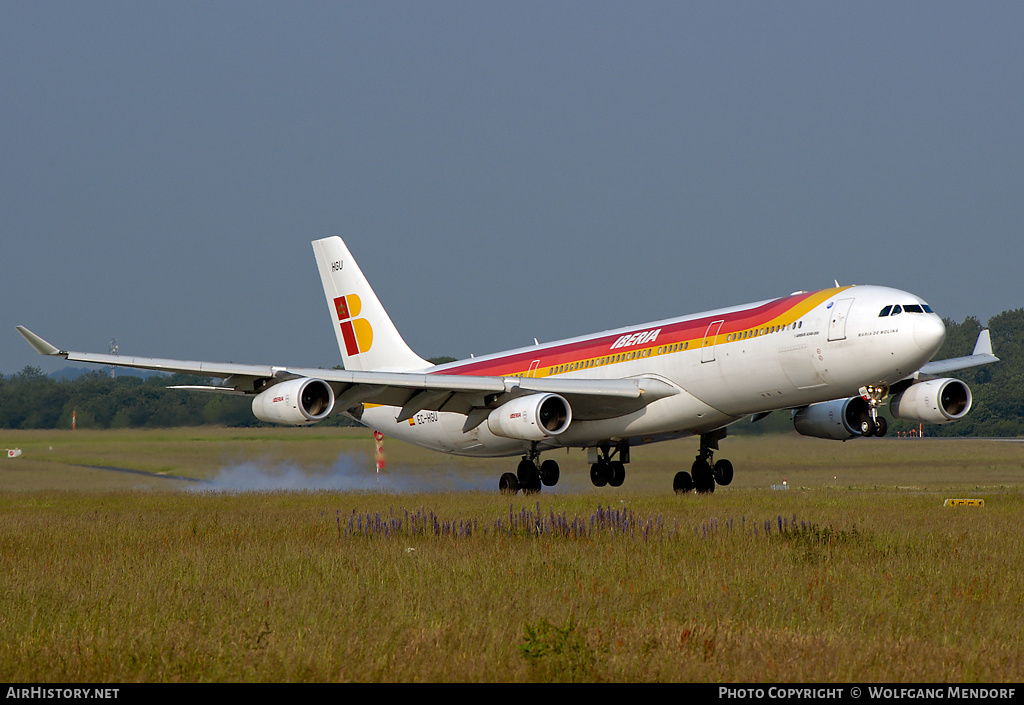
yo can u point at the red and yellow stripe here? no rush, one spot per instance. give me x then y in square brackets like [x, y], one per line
[671, 337]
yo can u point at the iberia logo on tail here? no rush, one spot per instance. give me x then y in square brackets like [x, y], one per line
[357, 332]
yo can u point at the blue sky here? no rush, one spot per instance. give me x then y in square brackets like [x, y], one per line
[501, 171]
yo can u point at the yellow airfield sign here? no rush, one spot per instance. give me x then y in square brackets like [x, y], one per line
[964, 503]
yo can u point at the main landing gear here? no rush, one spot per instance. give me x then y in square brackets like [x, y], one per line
[604, 470]
[528, 477]
[705, 475]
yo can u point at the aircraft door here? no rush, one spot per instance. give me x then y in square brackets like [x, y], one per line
[707, 352]
[837, 326]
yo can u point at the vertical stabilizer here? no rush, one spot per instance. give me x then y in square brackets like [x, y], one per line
[366, 336]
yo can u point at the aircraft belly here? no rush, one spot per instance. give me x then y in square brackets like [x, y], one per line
[441, 431]
[679, 414]
[682, 412]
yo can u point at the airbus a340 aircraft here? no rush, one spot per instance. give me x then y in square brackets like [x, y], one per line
[832, 357]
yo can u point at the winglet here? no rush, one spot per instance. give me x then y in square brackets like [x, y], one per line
[984, 344]
[41, 346]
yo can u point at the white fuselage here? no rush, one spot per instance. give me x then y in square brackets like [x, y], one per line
[725, 364]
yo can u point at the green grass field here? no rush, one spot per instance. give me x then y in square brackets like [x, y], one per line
[857, 573]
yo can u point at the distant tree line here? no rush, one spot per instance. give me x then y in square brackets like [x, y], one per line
[31, 399]
[998, 389]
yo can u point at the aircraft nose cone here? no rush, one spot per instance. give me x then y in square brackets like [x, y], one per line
[929, 333]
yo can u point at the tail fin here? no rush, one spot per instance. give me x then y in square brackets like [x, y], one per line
[366, 336]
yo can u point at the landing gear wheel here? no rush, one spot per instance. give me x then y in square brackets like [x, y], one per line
[723, 472]
[528, 476]
[508, 484]
[867, 427]
[525, 471]
[599, 474]
[681, 483]
[617, 473]
[881, 426]
[549, 473]
[703, 476]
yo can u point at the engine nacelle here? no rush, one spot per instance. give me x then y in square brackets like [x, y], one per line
[531, 418]
[935, 401]
[839, 420]
[297, 402]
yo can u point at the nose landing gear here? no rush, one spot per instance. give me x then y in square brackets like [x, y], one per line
[875, 396]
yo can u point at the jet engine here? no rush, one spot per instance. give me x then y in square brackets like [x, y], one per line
[935, 401]
[297, 402]
[531, 418]
[841, 419]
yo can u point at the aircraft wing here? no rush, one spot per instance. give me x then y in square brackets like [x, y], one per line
[411, 391]
[982, 355]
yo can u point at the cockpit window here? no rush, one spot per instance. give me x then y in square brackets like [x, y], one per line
[909, 308]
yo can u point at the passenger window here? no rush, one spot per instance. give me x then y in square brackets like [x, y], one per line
[885, 312]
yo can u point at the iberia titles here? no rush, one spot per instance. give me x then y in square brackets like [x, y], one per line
[647, 336]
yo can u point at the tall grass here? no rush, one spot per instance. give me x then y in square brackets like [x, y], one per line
[840, 581]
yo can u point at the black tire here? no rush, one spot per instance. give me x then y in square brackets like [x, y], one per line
[867, 427]
[703, 476]
[881, 426]
[599, 474]
[526, 472]
[549, 473]
[723, 472]
[682, 483]
[508, 484]
[617, 474]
